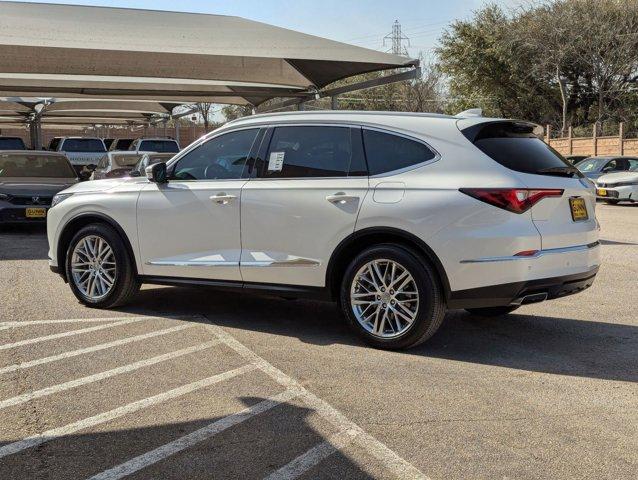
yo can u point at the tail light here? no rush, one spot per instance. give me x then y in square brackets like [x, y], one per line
[516, 200]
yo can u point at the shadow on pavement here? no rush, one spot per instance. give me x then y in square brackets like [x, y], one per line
[23, 242]
[614, 242]
[251, 449]
[525, 342]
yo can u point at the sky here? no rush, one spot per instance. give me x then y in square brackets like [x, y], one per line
[358, 22]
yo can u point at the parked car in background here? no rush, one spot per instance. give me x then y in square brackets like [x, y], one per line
[619, 186]
[397, 217]
[28, 182]
[120, 144]
[12, 143]
[159, 145]
[115, 165]
[108, 142]
[147, 160]
[81, 151]
[53, 144]
[594, 167]
[574, 159]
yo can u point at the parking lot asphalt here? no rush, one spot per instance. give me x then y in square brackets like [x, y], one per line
[191, 383]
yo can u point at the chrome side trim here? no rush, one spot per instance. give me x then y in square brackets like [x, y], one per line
[295, 262]
[173, 263]
[540, 253]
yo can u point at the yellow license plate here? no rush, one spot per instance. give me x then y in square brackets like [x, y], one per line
[36, 213]
[601, 192]
[579, 209]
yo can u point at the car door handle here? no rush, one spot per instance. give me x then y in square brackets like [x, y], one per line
[341, 198]
[222, 198]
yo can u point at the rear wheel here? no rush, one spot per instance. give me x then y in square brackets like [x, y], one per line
[391, 298]
[99, 269]
[492, 311]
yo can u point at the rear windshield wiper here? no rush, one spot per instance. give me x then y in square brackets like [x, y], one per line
[560, 171]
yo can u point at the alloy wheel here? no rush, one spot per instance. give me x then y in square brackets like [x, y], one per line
[93, 267]
[384, 298]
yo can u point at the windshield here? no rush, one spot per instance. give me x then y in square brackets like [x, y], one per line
[160, 146]
[11, 143]
[26, 165]
[591, 164]
[83, 145]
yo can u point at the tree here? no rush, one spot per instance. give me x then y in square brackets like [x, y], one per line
[233, 112]
[559, 61]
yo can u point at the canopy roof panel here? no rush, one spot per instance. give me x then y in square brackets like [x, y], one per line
[83, 51]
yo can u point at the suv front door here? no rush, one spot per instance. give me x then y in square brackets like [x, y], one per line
[189, 227]
[309, 186]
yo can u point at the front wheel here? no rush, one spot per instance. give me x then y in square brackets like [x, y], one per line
[99, 268]
[611, 202]
[391, 298]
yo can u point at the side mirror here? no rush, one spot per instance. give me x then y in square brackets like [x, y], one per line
[84, 175]
[157, 173]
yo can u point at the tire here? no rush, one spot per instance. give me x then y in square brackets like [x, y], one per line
[117, 266]
[428, 311]
[611, 202]
[492, 311]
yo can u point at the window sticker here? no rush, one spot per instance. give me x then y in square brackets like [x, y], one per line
[276, 161]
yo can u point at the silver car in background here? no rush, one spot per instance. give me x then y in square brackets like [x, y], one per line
[594, 167]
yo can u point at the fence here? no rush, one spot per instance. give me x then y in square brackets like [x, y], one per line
[594, 145]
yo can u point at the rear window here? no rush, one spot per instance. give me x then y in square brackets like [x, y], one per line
[10, 143]
[387, 152]
[122, 144]
[515, 146]
[159, 146]
[24, 165]
[125, 160]
[83, 145]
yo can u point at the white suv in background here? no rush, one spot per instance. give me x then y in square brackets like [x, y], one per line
[396, 216]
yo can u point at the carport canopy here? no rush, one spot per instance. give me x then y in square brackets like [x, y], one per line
[80, 51]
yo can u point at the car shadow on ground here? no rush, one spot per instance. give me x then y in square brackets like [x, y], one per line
[252, 448]
[556, 345]
[23, 242]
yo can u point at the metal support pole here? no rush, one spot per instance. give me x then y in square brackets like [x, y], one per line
[177, 131]
[334, 101]
[38, 126]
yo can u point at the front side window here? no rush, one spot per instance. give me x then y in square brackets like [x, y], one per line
[222, 157]
[11, 143]
[387, 152]
[301, 152]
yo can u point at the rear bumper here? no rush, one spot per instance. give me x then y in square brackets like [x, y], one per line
[519, 293]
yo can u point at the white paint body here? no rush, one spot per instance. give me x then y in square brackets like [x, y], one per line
[284, 231]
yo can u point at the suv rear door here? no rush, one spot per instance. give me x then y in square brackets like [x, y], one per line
[514, 146]
[310, 183]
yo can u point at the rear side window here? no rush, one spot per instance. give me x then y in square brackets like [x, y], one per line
[302, 152]
[387, 152]
[515, 146]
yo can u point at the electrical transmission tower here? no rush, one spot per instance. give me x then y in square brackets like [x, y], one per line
[397, 38]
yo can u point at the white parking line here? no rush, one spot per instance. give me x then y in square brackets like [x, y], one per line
[70, 333]
[94, 348]
[398, 466]
[187, 441]
[26, 397]
[55, 433]
[15, 324]
[314, 456]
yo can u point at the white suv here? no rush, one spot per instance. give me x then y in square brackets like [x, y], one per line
[397, 217]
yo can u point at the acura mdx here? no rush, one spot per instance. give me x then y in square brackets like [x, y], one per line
[395, 216]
